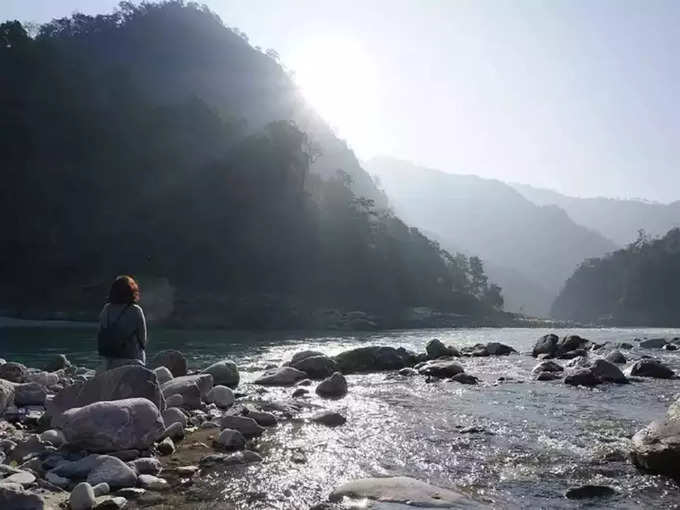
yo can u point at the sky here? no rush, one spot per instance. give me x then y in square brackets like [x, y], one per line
[579, 96]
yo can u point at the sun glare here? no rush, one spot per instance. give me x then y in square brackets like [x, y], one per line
[337, 77]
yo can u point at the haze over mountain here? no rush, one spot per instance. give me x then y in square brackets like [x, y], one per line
[617, 219]
[530, 250]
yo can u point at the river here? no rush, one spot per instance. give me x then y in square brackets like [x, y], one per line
[529, 441]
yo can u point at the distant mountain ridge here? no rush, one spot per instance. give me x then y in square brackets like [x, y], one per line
[530, 250]
[617, 219]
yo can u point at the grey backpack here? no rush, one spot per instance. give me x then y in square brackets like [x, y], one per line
[113, 342]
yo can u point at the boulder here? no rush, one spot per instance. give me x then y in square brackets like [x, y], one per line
[57, 362]
[547, 366]
[408, 372]
[174, 415]
[222, 396]
[656, 448]
[576, 353]
[14, 372]
[477, 351]
[246, 426]
[230, 439]
[436, 349]
[174, 432]
[13, 496]
[177, 400]
[670, 347]
[651, 368]
[333, 386]
[82, 497]
[29, 394]
[616, 357]
[402, 491]
[146, 466]
[601, 371]
[498, 349]
[374, 358]
[153, 483]
[572, 343]
[166, 447]
[130, 381]
[192, 388]
[224, 373]
[77, 469]
[101, 489]
[262, 418]
[133, 423]
[163, 374]
[589, 491]
[329, 418]
[441, 368]
[548, 376]
[582, 377]
[172, 360]
[314, 364]
[464, 378]
[653, 343]
[54, 437]
[6, 395]
[284, 376]
[547, 344]
[112, 471]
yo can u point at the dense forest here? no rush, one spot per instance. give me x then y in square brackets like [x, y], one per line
[637, 286]
[157, 141]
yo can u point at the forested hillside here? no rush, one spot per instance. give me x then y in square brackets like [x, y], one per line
[532, 250]
[635, 286]
[156, 141]
[616, 219]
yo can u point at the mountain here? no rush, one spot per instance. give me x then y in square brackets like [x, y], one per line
[616, 219]
[156, 141]
[635, 286]
[532, 249]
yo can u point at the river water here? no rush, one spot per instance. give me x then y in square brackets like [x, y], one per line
[529, 441]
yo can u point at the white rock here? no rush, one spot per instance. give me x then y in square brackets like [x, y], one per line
[101, 489]
[152, 483]
[163, 374]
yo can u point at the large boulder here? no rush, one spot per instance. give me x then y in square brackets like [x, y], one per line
[653, 343]
[193, 389]
[112, 471]
[651, 368]
[616, 357]
[6, 395]
[224, 373]
[441, 368]
[402, 491]
[163, 374]
[600, 371]
[315, 364]
[284, 376]
[572, 343]
[221, 396]
[547, 344]
[499, 349]
[128, 424]
[130, 381]
[333, 386]
[656, 448]
[246, 426]
[436, 349]
[14, 372]
[547, 366]
[172, 360]
[374, 358]
[13, 496]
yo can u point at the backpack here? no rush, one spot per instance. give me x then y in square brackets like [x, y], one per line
[114, 343]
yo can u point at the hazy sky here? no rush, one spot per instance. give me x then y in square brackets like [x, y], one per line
[578, 96]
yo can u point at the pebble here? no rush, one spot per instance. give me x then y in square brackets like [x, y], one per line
[116, 503]
[101, 489]
[131, 492]
[82, 497]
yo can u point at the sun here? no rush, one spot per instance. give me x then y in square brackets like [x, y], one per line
[338, 79]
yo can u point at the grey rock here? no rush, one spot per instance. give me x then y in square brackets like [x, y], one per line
[163, 375]
[401, 490]
[117, 503]
[242, 457]
[57, 480]
[112, 471]
[548, 376]
[221, 396]
[133, 423]
[246, 426]
[334, 386]
[224, 373]
[315, 364]
[166, 447]
[153, 483]
[13, 496]
[126, 455]
[53, 436]
[616, 357]
[651, 368]
[13, 372]
[231, 439]
[670, 347]
[101, 489]
[329, 418]
[547, 366]
[582, 377]
[131, 492]
[186, 386]
[262, 418]
[408, 372]
[300, 392]
[547, 344]
[441, 368]
[174, 415]
[58, 362]
[374, 359]
[6, 395]
[174, 432]
[498, 349]
[82, 497]
[436, 349]
[78, 469]
[130, 381]
[606, 371]
[146, 466]
[590, 491]
[172, 360]
[21, 477]
[177, 400]
[29, 394]
[656, 448]
[653, 343]
[284, 376]
[576, 353]
[464, 378]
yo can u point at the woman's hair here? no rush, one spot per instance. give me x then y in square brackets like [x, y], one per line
[124, 291]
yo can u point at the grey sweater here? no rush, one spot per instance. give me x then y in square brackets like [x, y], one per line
[132, 320]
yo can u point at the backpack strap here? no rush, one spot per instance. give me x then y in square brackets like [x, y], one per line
[117, 318]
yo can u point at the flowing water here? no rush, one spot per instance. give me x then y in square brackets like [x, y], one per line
[515, 442]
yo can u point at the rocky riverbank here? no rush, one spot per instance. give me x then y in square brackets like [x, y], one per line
[135, 437]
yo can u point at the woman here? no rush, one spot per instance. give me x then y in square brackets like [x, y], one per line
[122, 327]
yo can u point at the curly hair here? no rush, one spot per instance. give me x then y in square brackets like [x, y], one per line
[124, 290]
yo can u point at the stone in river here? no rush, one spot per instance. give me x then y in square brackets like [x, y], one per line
[284, 376]
[82, 497]
[224, 373]
[651, 368]
[441, 368]
[590, 491]
[29, 394]
[547, 344]
[401, 490]
[101, 489]
[329, 418]
[246, 426]
[58, 362]
[221, 396]
[163, 374]
[548, 376]
[334, 386]
[547, 366]
[262, 418]
[146, 466]
[174, 415]
[670, 347]
[499, 349]
[6, 395]
[166, 447]
[315, 364]
[656, 448]
[172, 360]
[436, 349]
[21, 477]
[653, 343]
[374, 359]
[13, 372]
[616, 357]
[464, 378]
[230, 439]
[154, 483]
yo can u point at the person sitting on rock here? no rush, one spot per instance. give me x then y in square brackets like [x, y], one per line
[121, 339]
